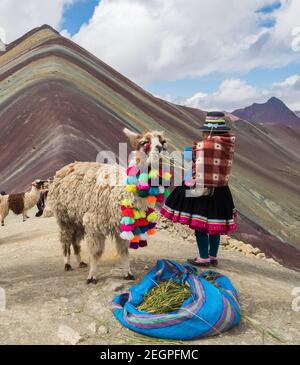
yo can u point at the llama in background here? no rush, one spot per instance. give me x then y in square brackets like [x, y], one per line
[20, 203]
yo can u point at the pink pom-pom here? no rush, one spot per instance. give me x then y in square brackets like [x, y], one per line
[127, 227]
[143, 185]
[132, 171]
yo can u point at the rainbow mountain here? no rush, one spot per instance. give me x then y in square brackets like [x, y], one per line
[59, 103]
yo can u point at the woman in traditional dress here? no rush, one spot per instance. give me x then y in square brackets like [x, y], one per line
[213, 213]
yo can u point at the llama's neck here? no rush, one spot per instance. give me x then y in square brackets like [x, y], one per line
[32, 197]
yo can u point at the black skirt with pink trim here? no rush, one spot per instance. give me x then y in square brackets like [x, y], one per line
[215, 215]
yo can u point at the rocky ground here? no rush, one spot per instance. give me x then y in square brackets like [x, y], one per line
[46, 305]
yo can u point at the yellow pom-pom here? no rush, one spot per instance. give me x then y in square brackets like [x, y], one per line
[130, 188]
[136, 214]
[167, 176]
[142, 214]
[126, 203]
[151, 217]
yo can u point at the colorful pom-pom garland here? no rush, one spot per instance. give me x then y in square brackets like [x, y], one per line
[137, 225]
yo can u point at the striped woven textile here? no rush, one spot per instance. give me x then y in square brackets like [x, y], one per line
[212, 309]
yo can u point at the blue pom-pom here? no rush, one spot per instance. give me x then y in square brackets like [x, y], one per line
[153, 191]
[132, 180]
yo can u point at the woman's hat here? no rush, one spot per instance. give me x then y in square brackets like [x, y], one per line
[215, 122]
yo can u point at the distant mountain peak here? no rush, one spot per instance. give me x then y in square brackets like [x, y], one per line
[273, 111]
[273, 99]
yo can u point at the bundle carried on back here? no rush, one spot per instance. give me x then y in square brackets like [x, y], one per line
[213, 158]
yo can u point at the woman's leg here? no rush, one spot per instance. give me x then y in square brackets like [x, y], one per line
[202, 243]
[214, 243]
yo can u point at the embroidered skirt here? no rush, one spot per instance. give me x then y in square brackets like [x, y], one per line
[215, 215]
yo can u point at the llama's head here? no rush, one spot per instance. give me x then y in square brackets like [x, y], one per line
[39, 184]
[151, 143]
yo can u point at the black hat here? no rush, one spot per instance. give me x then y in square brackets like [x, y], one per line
[215, 122]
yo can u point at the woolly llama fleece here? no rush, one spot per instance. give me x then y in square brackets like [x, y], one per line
[87, 210]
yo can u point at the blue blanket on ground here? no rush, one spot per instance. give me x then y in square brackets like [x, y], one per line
[212, 309]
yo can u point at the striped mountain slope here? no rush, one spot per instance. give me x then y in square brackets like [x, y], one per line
[59, 103]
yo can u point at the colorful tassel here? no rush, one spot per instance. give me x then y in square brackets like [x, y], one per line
[132, 171]
[134, 245]
[151, 199]
[143, 243]
[127, 227]
[161, 189]
[127, 220]
[142, 185]
[151, 217]
[160, 198]
[131, 180]
[144, 236]
[127, 212]
[136, 239]
[143, 177]
[131, 188]
[126, 203]
[153, 191]
[152, 225]
[136, 225]
[144, 229]
[142, 214]
[137, 231]
[136, 214]
[128, 236]
[143, 193]
[166, 193]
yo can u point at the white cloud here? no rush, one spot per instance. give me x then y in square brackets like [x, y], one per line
[175, 39]
[236, 93]
[289, 91]
[18, 17]
[232, 93]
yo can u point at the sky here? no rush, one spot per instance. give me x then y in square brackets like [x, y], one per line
[208, 54]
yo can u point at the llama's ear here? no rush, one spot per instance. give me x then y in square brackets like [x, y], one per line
[132, 137]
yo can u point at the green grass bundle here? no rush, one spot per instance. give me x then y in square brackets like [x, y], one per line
[166, 297]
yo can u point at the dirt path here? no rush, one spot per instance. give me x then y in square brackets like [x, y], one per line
[46, 305]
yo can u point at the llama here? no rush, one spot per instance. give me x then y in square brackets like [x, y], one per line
[20, 203]
[86, 209]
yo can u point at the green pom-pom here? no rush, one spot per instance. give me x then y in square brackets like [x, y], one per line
[143, 177]
[137, 230]
[143, 193]
[151, 217]
[127, 220]
[166, 193]
[136, 214]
